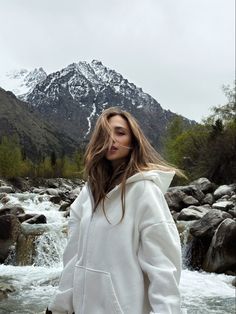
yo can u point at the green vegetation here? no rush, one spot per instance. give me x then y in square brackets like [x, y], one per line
[13, 163]
[207, 149]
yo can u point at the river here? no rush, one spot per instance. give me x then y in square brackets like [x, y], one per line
[34, 285]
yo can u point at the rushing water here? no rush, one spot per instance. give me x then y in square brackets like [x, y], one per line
[34, 285]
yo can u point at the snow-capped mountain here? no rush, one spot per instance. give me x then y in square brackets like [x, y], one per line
[21, 82]
[72, 98]
[76, 95]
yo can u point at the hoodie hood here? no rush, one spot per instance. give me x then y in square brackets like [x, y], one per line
[161, 178]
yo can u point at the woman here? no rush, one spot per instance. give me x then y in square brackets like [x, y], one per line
[123, 255]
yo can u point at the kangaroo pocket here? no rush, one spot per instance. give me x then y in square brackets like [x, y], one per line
[94, 292]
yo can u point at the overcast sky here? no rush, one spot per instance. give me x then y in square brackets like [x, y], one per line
[179, 51]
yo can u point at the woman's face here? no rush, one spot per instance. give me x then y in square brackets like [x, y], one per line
[121, 140]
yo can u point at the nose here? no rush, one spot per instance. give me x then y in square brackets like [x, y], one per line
[113, 138]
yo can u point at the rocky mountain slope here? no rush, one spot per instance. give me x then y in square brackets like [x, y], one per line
[74, 97]
[70, 100]
[36, 135]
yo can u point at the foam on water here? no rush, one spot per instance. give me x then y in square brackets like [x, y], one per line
[34, 285]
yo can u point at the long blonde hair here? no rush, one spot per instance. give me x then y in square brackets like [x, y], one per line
[98, 170]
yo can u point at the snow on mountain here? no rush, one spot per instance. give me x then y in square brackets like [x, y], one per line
[22, 82]
[72, 98]
[75, 96]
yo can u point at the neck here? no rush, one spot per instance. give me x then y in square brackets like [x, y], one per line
[117, 163]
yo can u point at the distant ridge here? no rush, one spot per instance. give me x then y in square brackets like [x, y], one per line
[71, 99]
[36, 136]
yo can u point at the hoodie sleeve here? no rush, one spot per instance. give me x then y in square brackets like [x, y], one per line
[159, 252]
[62, 302]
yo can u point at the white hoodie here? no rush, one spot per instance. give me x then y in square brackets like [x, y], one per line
[132, 267]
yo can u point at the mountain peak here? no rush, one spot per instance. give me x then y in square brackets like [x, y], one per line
[22, 81]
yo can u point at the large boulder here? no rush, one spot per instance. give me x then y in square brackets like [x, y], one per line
[208, 199]
[6, 189]
[10, 228]
[221, 255]
[12, 209]
[223, 205]
[223, 190]
[190, 200]
[202, 231]
[174, 199]
[206, 226]
[194, 191]
[25, 247]
[52, 191]
[37, 219]
[203, 184]
[193, 213]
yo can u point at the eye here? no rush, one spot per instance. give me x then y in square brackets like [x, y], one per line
[120, 133]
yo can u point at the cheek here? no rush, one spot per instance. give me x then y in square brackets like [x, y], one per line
[127, 139]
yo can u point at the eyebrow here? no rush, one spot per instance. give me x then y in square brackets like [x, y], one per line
[117, 128]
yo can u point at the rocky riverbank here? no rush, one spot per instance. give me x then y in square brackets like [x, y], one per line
[205, 215]
[19, 230]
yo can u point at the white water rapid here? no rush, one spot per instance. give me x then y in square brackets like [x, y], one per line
[34, 285]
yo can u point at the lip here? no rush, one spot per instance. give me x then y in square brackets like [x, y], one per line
[113, 149]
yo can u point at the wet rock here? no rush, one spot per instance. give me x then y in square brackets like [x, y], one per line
[175, 215]
[6, 189]
[5, 289]
[52, 191]
[232, 212]
[67, 187]
[64, 206]
[203, 184]
[174, 199]
[221, 255]
[52, 183]
[183, 229]
[208, 199]
[12, 209]
[225, 198]
[223, 205]
[37, 219]
[193, 191]
[76, 191]
[25, 247]
[9, 231]
[67, 213]
[223, 190]
[20, 184]
[2, 182]
[38, 190]
[55, 199]
[190, 200]
[72, 195]
[193, 213]
[3, 195]
[23, 217]
[25, 250]
[3, 295]
[206, 226]
[5, 199]
[233, 198]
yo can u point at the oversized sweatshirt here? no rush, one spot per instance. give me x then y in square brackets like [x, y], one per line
[128, 267]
